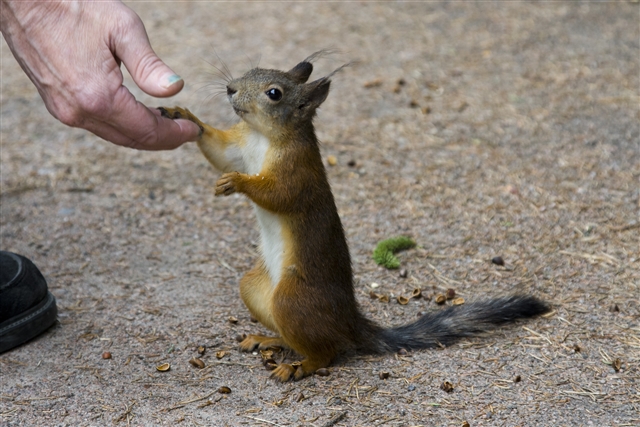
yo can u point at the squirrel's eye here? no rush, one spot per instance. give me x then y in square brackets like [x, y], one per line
[274, 94]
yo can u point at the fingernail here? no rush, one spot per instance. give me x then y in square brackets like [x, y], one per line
[171, 80]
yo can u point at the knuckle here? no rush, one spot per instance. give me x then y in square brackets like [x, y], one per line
[92, 104]
[128, 19]
[70, 116]
[89, 100]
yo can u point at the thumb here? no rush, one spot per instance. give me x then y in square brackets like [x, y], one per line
[131, 45]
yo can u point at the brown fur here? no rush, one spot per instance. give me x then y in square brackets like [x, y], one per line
[312, 308]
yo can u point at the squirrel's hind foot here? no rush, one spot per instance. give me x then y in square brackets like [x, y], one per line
[298, 370]
[284, 372]
[261, 342]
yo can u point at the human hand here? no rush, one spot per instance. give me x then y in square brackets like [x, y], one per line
[72, 52]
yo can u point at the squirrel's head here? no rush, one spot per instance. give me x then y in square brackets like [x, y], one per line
[273, 100]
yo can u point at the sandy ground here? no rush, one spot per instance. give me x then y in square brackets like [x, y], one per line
[482, 130]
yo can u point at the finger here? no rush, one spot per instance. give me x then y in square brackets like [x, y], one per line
[115, 135]
[132, 124]
[131, 45]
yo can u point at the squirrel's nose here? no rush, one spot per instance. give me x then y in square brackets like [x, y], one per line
[230, 91]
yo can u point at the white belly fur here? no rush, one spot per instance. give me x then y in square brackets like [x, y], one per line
[271, 242]
[254, 154]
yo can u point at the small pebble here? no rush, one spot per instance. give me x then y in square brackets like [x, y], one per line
[106, 355]
[403, 273]
[224, 390]
[332, 160]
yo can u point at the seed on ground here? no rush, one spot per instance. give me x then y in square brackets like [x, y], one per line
[323, 372]
[497, 260]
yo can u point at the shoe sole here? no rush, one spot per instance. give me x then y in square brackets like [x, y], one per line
[29, 324]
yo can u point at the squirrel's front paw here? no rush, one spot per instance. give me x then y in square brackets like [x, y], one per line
[181, 113]
[175, 113]
[227, 184]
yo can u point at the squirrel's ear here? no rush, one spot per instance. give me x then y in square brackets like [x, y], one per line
[301, 72]
[319, 91]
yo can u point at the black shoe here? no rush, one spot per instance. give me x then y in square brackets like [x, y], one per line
[27, 308]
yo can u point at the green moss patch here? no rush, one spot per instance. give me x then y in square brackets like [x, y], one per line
[384, 252]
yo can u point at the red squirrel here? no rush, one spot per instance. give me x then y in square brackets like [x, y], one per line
[301, 286]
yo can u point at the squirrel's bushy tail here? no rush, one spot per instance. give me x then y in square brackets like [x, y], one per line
[444, 327]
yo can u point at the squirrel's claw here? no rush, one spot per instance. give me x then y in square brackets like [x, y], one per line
[283, 372]
[226, 185]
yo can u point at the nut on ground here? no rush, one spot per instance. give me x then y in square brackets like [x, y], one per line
[198, 363]
[323, 372]
[447, 386]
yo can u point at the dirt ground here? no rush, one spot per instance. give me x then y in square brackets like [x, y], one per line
[488, 129]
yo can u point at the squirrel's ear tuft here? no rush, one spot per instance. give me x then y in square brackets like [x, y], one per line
[301, 72]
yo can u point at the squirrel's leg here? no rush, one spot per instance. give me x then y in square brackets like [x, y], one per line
[182, 113]
[216, 145]
[285, 371]
[261, 342]
[304, 326]
[256, 292]
[263, 189]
